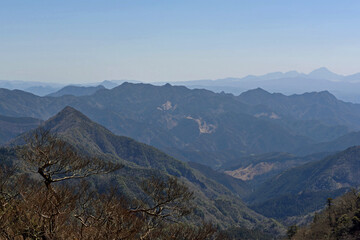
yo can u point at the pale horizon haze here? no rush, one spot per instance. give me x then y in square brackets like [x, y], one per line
[157, 40]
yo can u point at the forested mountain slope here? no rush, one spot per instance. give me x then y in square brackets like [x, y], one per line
[321, 106]
[305, 188]
[199, 125]
[10, 127]
[214, 201]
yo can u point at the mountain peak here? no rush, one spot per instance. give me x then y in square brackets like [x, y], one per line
[69, 116]
[256, 92]
[321, 70]
[324, 73]
[71, 112]
[68, 109]
[322, 94]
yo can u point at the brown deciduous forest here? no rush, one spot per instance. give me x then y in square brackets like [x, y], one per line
[53, 199]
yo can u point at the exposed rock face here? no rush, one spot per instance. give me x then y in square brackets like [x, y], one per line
[203, 126]
[167, 106]
[249, 172]
[269, 115]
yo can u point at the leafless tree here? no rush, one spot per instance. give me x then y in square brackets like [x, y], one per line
[56, 161]
[168, 200]
[30, 209]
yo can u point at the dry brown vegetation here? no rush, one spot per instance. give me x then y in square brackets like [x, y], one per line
[54, 206]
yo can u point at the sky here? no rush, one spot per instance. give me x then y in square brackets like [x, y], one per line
[82, 41]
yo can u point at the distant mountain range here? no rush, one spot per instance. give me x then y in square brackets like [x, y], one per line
[166, 117]
[321, 106]
[293, 82]
[76, 91]
[318, 74]
[48, 88]
[199, 125]
[343, 87]
[37, 88]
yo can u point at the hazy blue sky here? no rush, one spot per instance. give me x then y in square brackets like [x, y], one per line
[168, 40]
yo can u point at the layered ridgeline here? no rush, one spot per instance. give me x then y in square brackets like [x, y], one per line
[305, 188]
[194, 125]
[10, 127]
[213, 200]
[344, 87]
[321, 106]
[47, 88]
[292, 82]
[76, 91]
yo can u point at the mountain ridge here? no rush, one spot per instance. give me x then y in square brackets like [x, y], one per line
[142, 160]
[311, 182]
[76, 91]
[319, 105]
[199, 125]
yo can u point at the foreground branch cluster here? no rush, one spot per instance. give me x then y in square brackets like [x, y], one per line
[54, 206]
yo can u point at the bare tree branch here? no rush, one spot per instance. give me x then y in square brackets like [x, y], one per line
[56, 161]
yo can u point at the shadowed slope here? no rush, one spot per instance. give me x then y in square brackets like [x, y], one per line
[214, 201]
[313, 183]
